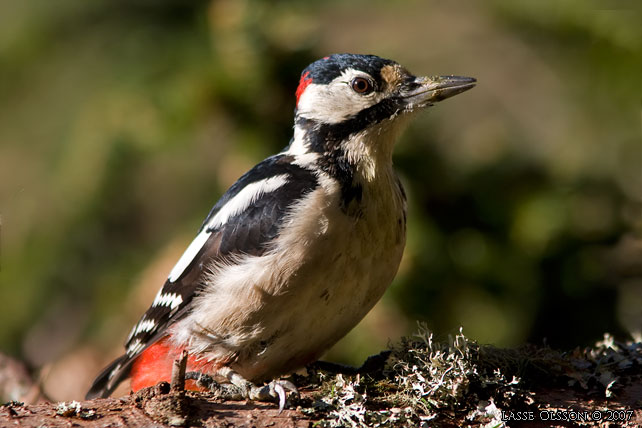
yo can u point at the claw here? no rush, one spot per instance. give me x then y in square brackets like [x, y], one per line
[275, 389]
[278, 388]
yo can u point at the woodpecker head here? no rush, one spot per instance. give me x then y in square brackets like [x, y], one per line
[354, 102]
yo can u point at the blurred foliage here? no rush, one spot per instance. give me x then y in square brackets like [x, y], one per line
[121, 122]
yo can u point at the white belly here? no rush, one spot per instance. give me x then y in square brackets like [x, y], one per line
[272, 314]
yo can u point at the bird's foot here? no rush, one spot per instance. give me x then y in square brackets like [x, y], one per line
[240, 389]
[277, 389]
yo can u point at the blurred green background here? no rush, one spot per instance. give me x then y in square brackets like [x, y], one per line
[122, 122]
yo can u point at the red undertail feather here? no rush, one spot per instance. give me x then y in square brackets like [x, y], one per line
[155, 364]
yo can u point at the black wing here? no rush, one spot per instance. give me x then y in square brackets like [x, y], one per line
[245, 231]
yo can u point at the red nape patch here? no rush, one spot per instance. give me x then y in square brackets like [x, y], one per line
[303, 83]
[155, 363]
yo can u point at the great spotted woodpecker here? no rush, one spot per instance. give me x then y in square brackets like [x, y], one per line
[300, 248]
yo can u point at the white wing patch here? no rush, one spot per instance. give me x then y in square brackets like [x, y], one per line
[246, 197]
[188, 256]
[240, 202]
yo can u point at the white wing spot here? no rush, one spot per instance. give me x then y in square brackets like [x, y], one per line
[136, 346]
[144, 326]
[172, 300]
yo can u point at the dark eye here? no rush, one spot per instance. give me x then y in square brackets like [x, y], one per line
[361, 85]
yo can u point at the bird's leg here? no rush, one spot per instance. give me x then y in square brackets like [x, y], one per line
[224, 391]
[203, 380]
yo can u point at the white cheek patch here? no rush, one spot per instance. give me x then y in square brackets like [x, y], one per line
[336, 101]
[239, 203]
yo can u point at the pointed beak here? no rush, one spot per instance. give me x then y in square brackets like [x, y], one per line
[424, 91]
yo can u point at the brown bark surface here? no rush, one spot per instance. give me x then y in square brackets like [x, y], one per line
[158, 407]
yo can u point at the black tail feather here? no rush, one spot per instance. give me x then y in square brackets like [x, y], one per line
[110, 378]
